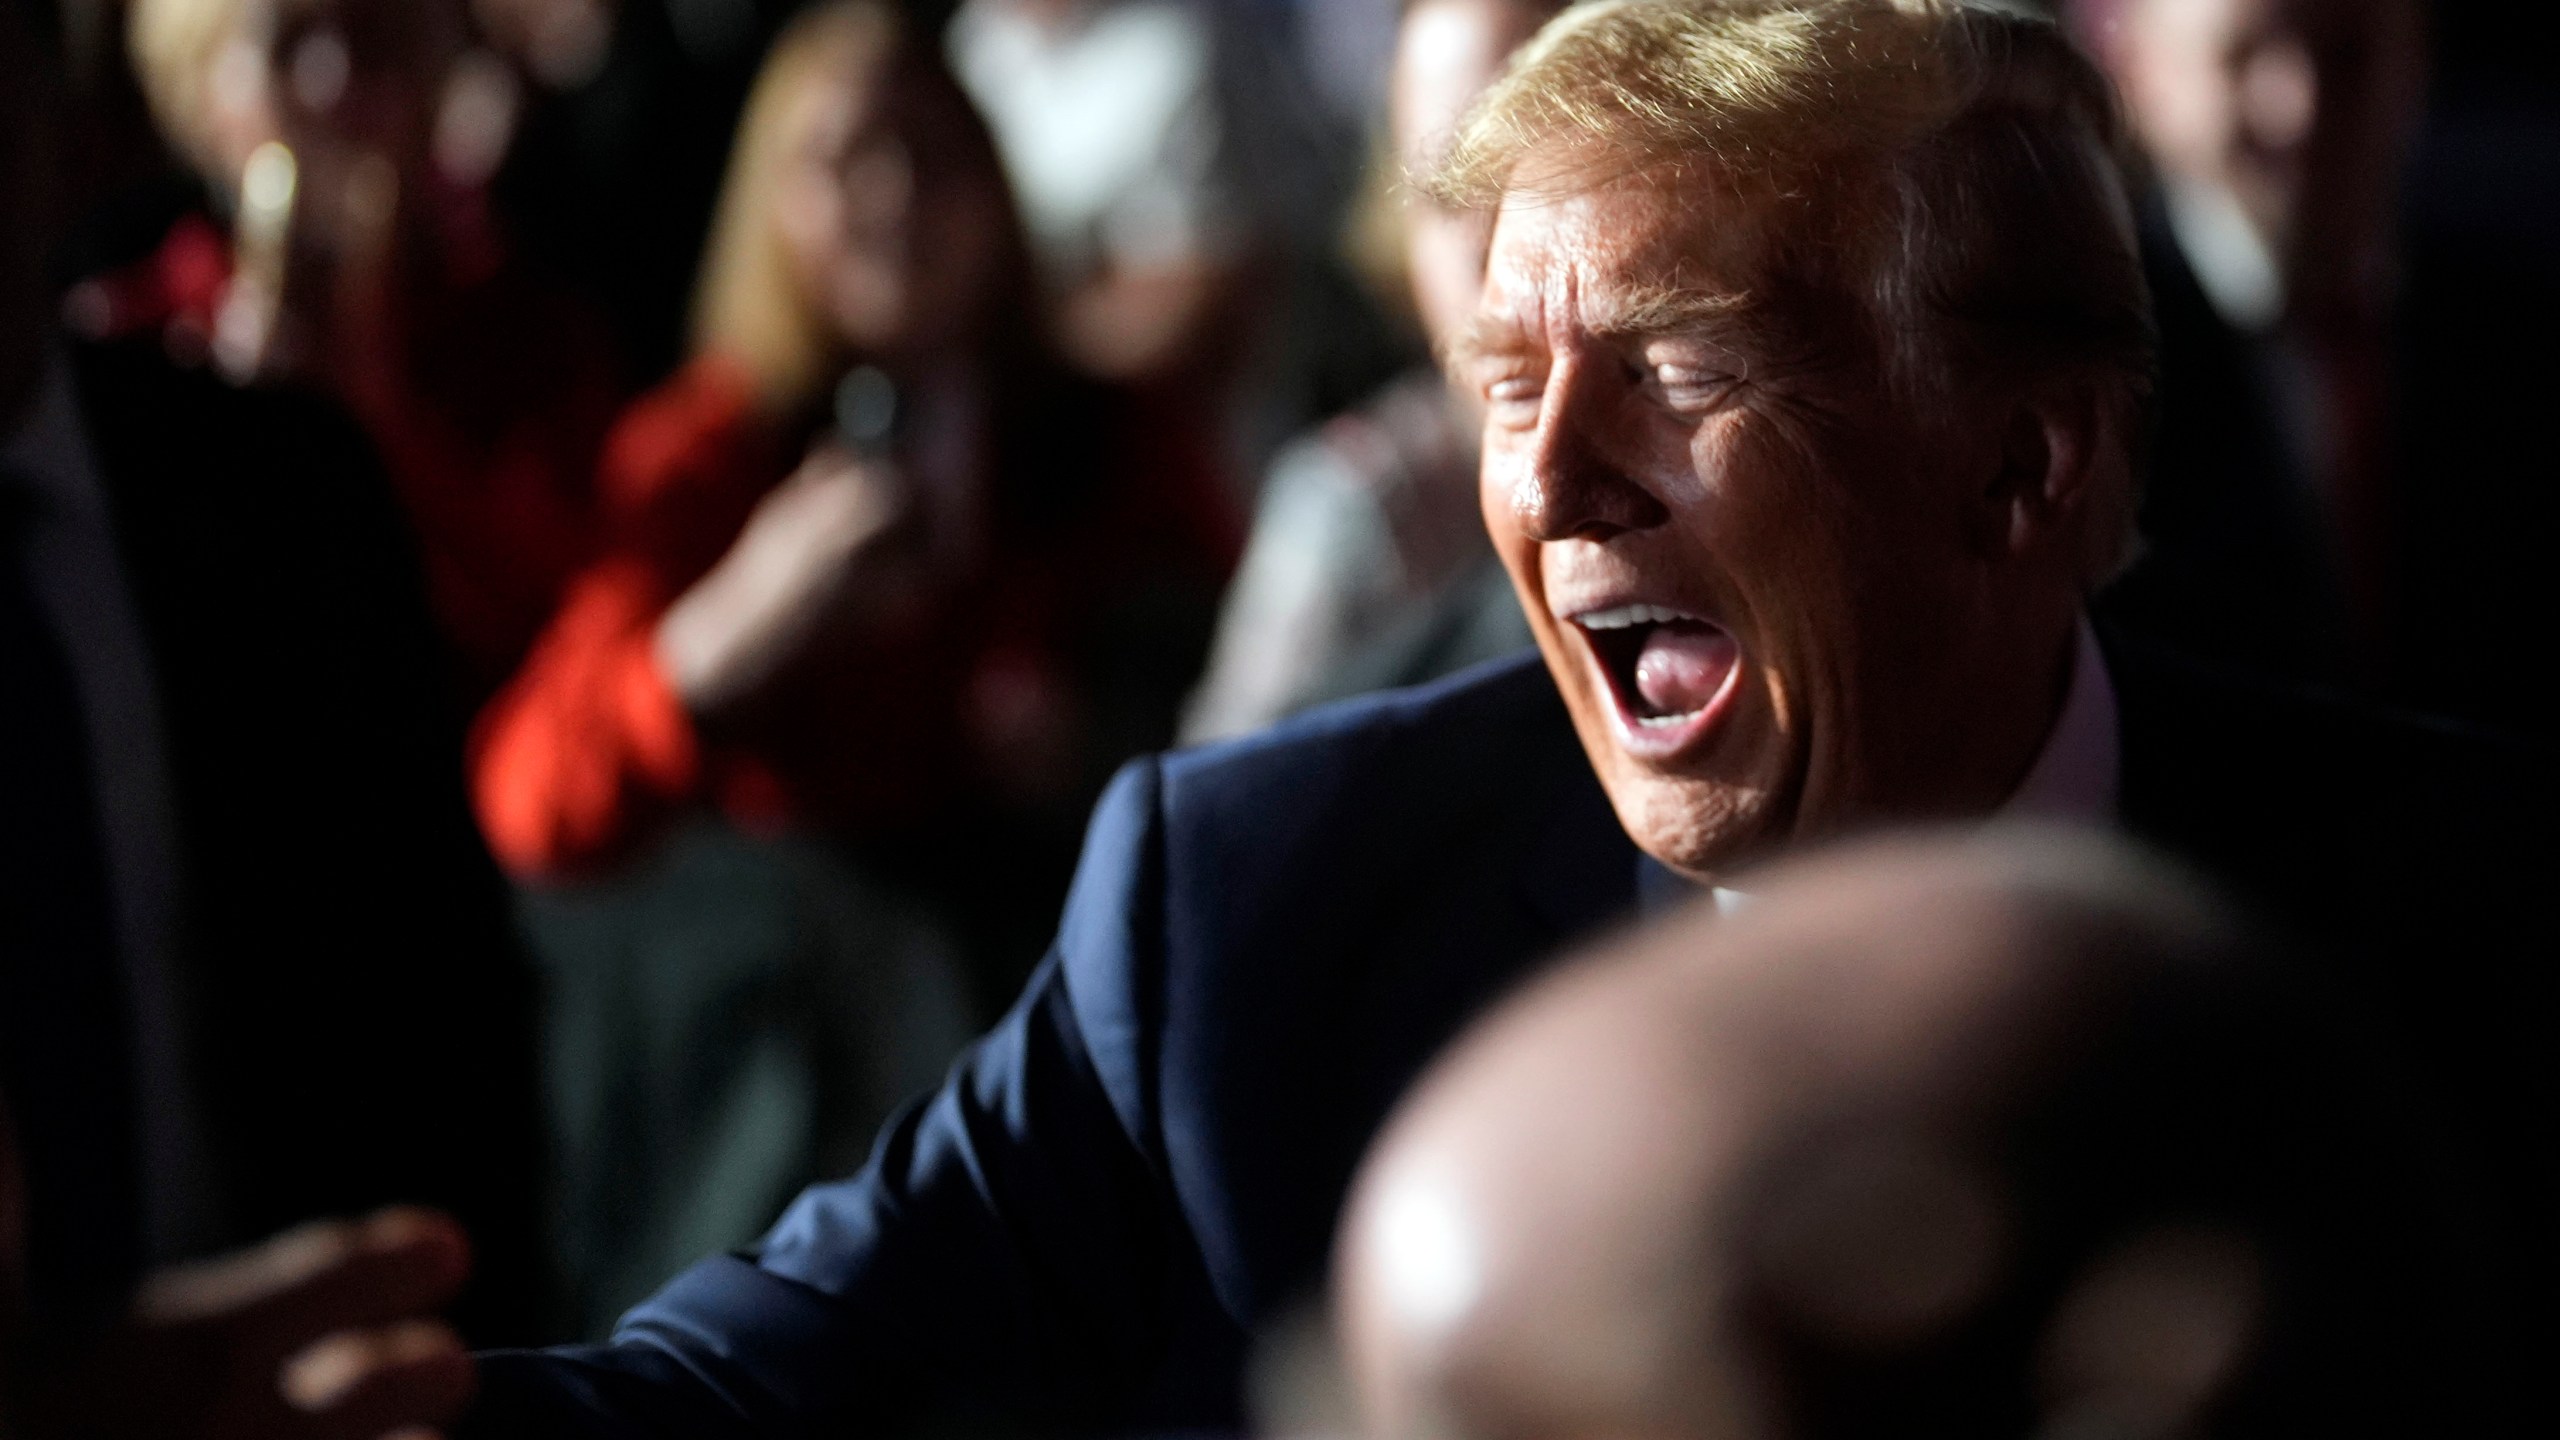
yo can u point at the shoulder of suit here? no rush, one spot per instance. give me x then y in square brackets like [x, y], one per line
[1200, 854]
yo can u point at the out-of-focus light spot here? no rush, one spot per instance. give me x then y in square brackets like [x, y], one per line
[238, 73]
[267, 182]
[2279, 95]
[371, 197]
[476, 120]
[866, 409]
[1426, 1252]
[89, 310]
[321, 66]
[568, 42]
[243, 330]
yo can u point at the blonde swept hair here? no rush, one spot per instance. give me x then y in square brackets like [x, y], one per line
[747, 305]
[1954, 162]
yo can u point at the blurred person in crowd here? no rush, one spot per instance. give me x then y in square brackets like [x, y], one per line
[872, 551]
[1170, 186]
[629, 110]
[350, 149]
[2009, 1135]
[1813, 344]
[1368, 568]
[258, 966]
[2348, 479]
[117, 1169]
[876, 572]
[2276, 132]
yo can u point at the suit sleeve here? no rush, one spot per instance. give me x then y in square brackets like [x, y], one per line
[1002, 1261]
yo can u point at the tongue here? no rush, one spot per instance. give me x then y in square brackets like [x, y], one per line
[1682, 666]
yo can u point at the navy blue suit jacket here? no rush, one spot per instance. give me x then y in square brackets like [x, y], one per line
[1267, 941]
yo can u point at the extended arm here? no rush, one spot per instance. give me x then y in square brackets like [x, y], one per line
[1009, 1255]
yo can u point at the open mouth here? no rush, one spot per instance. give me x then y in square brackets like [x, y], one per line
[1666, 670]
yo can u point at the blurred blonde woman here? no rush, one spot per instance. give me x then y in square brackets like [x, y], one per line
[872, 551]
[802, 754]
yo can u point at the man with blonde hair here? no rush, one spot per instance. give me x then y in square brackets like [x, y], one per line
[1813, 351]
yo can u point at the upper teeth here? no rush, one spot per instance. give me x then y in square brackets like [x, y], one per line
[1623, 616]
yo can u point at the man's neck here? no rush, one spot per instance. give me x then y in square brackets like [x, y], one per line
[1986, 724]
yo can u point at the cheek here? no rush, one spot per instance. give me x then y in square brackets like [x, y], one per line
[1783, 529]
[1760, 503]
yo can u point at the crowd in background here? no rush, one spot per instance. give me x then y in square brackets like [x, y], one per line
[624, 537]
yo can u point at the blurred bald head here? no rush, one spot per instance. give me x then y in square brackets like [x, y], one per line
[2000, 1134]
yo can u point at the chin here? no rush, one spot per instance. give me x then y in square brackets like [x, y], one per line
[1702, 805]
[1702, 814]
[1701, 828]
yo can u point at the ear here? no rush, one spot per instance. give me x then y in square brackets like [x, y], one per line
[2041, 473]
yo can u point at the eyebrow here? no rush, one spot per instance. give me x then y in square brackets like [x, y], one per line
[1485, 337]
[1671, 310]
[1643, 311]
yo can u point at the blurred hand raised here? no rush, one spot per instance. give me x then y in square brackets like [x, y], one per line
[323, 1333]
[819, 550]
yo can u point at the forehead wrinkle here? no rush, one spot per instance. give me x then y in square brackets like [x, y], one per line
[1680, 278]
[1671, 268]
[1512, 319]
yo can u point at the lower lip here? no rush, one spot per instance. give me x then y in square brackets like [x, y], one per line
[1665, 740]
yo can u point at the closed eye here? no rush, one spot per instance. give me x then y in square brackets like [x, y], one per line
[1513, 397]
[1689, 389]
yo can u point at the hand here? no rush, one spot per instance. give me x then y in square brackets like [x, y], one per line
[817, 548]
[323, 1333]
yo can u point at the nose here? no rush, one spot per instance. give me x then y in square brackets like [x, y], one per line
[1568, 486]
